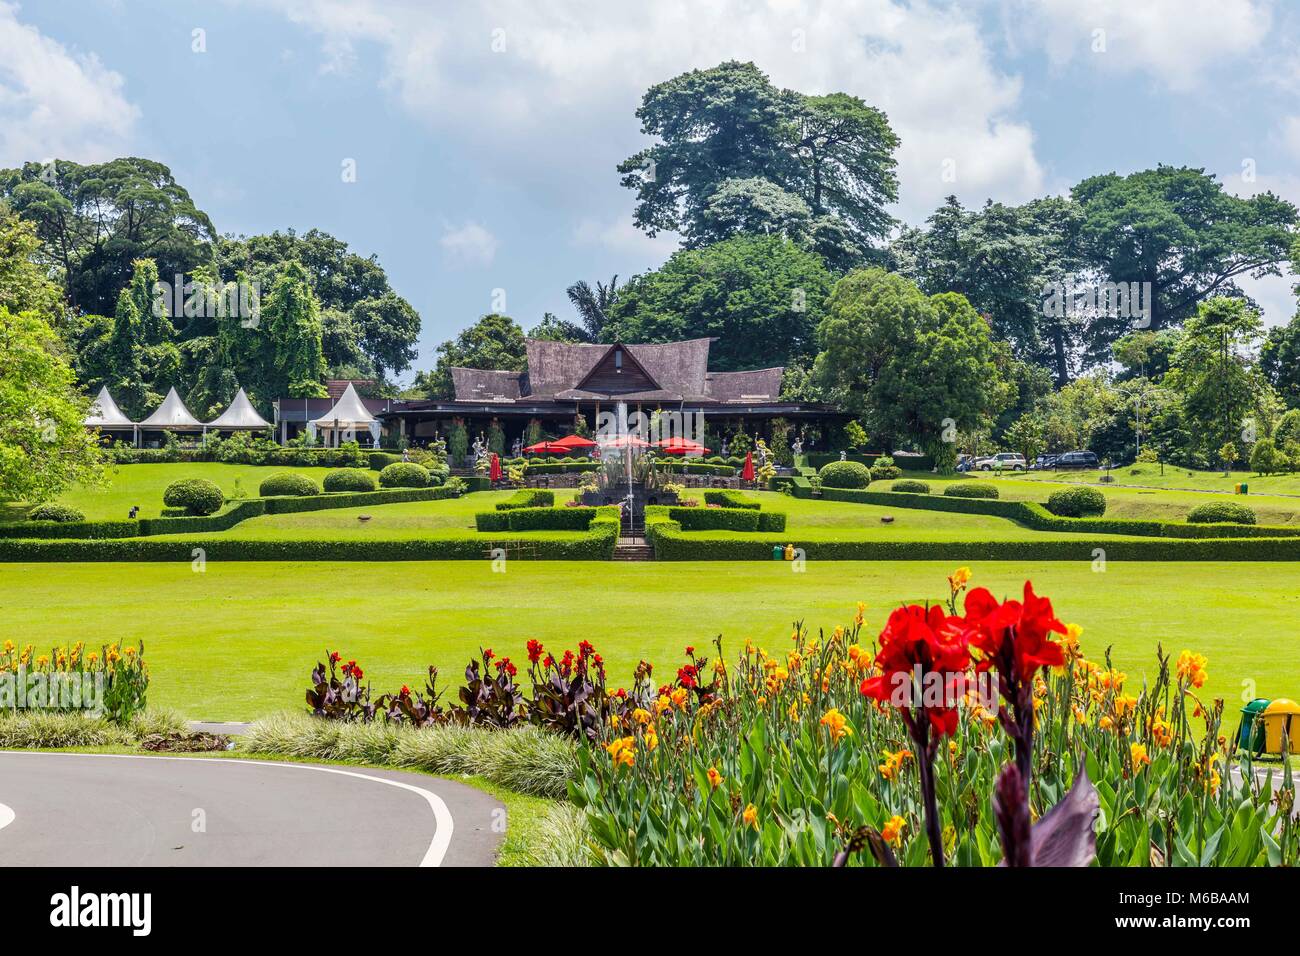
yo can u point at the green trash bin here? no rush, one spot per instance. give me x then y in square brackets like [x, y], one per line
[1250, 736]
[1245, 488]
[778, 554]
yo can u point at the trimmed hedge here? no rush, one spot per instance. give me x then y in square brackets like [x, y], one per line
[404, 474]
[559, 468]
[911, 486]
[55, 512]
[845, 474]
[288, 484]
[595, 544]
[731, 499]
[528, 498]
[1035, 516]
[1077, 503]
[350, 479]
[197, 496]
[671, 544]
[543, 518]
[971, 489]
[1221, 511]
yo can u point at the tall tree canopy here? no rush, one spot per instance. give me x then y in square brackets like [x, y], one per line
[761, 297]
[1176, 228]
[95, 220]
[720, 129]
[910, 365]
[44, 447]
[369, 323]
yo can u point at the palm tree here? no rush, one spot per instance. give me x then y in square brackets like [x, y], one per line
[593, 305]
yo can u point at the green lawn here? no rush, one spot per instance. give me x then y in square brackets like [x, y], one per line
[143, 485]
[1168, 503]
[238, 640]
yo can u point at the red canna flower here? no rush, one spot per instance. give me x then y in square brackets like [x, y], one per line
[534, 651]
[334, 657]
[488, 654]
[929, 642]
[1013, 634]
[405, 691]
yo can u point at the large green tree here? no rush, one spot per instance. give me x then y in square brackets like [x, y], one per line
[96, 220]
[914, 367]
[760, 296]
[715, 128]
[290, 320]
[1176, 228]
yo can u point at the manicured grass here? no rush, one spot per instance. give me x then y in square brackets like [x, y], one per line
[237, 641]
[143, 485]
[1169, 503]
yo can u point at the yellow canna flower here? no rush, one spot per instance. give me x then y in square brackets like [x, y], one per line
[837, 724]
[893, 830]
[715, 778]
[641, 716]
[750, 816]
[959, 579]
[1138, 754]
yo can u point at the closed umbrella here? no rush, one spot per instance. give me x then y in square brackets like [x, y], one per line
[494, 470]
[747, 473]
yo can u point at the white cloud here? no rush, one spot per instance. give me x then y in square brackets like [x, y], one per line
[572, 73]
[55, 103]
[1173, 40]
[468, 245]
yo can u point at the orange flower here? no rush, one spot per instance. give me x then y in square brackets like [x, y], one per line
[750, 816]
[623, 751]
[893, 831]
[837, 724]
[1191, 667]
[1138, 754]
[715, 778]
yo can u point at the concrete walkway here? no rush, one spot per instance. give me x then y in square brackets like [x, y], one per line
[129, 810]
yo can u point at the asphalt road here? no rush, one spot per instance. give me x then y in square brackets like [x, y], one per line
[107, 810]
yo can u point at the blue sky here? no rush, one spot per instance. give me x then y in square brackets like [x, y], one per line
[485, 135]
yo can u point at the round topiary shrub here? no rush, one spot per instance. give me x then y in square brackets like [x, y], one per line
[911, 485]
[288, 484]
[970, 489]
[196, 496]
[1221, 511]
[404, 474]
[884, 469]
[1077, 503]
[845, 474]
[350, 479]
[55, 512]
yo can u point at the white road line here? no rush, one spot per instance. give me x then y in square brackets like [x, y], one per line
[6, 816]
[443, 825]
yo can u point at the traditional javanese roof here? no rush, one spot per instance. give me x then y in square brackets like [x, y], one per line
[104, 412]
[241, 414]
[347, 411]
[172, 413]
[580, 371]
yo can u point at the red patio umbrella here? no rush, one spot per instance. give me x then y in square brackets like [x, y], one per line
[574, 442]
[547, 448]
[747, 473]
[681, 446]
[494, 470]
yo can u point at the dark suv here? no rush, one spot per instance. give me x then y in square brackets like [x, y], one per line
[1077, 459]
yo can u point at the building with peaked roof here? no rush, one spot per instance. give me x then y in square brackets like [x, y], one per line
[564, 379]
[240, 416]
[172, 416]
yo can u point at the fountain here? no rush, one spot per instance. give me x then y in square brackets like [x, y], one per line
[628, 477]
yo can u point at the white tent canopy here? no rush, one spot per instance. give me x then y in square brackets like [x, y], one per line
[346, 418]
[241, 415]
[104, 412]
[172, 415]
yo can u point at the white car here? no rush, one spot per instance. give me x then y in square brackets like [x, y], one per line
[1002, 461]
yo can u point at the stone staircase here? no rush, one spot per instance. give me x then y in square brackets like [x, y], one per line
[633, 549]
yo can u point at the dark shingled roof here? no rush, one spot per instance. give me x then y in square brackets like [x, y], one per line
[762, 384]
[485, 385]
[558, 371]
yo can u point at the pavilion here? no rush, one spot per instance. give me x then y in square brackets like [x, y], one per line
[241, 416]
[108, 418]
[345, 421]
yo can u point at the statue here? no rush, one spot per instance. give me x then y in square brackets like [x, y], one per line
[796, 448]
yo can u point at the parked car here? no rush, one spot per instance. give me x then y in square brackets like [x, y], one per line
[1078, 459]
[964, 462]
[1045, 462]
[1002, 461]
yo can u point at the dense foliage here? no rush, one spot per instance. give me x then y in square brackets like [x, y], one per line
[845, 474]
[1221, 511]
[404, 474]
[971, 489]
[1077, 503]
[289, 484]
[349, 479]
[196, 496]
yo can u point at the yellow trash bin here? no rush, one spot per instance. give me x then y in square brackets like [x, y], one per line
[1281, 713]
